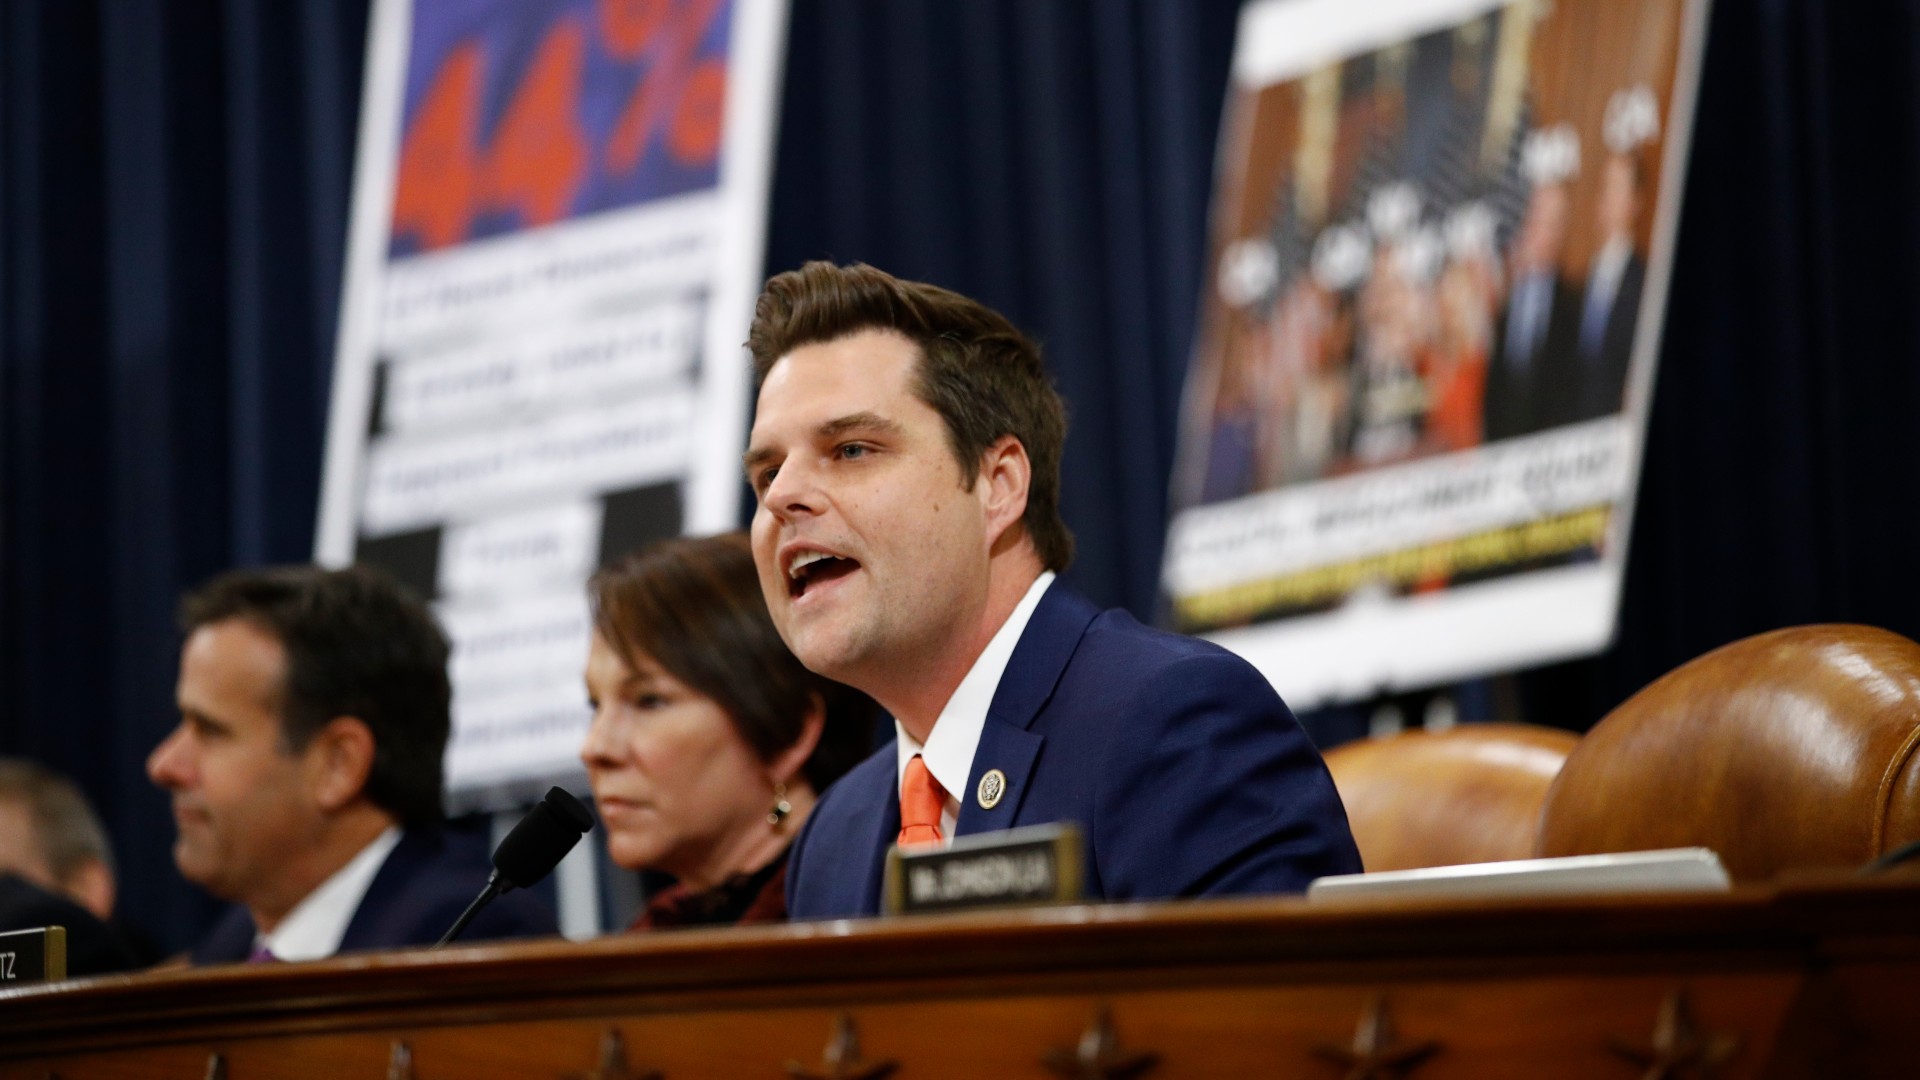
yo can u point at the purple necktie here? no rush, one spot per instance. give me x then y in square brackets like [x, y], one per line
[262, 955]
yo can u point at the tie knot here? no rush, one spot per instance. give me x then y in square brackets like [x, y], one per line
[921, 800]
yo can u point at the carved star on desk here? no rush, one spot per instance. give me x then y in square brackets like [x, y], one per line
[1098, 1055]
[613, 1061]
[841, 1061]
[400, 1061]
[1679, 1049]
[1377, 1053]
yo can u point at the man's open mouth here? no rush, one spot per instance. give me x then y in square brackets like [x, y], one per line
[811, 568]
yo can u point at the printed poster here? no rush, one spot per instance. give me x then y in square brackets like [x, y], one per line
[1440, 247]
[559, 212]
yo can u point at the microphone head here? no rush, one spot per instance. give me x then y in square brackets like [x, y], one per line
[542, 839]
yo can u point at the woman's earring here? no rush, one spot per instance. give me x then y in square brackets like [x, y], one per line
[781, 807]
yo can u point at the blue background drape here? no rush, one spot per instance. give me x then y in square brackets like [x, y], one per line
[174, 182]
[176, 178]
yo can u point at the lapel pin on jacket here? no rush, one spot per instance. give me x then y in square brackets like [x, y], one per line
[992, 786]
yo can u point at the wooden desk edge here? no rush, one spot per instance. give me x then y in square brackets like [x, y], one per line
[1778, 926]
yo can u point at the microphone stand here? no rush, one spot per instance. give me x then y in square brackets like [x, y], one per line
[495, 887]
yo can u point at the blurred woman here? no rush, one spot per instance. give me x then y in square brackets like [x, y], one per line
[709, 741]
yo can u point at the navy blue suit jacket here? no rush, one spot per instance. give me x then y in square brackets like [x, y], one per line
[427, 880]
[1185, 770]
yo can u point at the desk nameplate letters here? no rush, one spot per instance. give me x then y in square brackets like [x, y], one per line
[1040, 864]
[38, 955]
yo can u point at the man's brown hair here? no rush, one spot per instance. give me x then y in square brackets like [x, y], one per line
[694, 607]
[976, 369]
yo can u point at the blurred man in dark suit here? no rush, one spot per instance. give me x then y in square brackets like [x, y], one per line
[306, 769]
[1528, 376]
[56, 868]
[1612, 303]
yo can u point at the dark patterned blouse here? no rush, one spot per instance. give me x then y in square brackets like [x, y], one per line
[744, 899]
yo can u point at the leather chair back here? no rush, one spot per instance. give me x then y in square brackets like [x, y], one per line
[1792, 749]
[1468, 794]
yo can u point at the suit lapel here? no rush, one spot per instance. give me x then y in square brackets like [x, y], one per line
[886, 829]
[1011, 751]
[363, 930]
[230, 941]
[1007, 742]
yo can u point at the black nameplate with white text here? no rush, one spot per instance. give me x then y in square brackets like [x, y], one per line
[1039, 864]
[33, 955]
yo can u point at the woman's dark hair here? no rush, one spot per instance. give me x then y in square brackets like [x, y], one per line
[694, 607]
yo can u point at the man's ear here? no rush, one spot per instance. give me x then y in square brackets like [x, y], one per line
[791, 762]
[339, 760]
[1006, 474]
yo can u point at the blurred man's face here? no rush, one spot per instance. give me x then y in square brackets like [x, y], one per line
[242, 801]
[1544, 232]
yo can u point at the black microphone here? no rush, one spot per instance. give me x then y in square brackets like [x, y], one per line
[530, 852]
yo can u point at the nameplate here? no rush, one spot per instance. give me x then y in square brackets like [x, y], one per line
[1039, 864]
[33, 955]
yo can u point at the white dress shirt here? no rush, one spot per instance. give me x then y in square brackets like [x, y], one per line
[1529, 311]
[1603, 288]
[313, 929]
[956, 734]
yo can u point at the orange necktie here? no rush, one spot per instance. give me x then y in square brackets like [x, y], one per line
[921, 799]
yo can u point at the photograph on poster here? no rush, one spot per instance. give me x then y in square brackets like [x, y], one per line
[1414, 410]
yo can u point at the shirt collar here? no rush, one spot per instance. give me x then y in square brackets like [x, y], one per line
[956, 733]
[1610, 262]
[313, 929]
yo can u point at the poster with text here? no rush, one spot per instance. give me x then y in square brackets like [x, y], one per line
[1440, 245]
[558, 223]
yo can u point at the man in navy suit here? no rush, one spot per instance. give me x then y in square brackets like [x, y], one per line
[1530, 374]
[417, 891]
[1611, 306]
[306, 769]
[905, 455]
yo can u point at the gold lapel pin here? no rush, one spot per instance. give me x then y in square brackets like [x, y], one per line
[992, 786]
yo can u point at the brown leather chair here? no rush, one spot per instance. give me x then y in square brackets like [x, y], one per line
[1468, 794]
[1793, 749]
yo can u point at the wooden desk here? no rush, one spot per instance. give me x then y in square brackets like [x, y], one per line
[1820, 979]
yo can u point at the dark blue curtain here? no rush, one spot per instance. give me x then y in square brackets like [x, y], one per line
[173, 192]
[176, 177]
